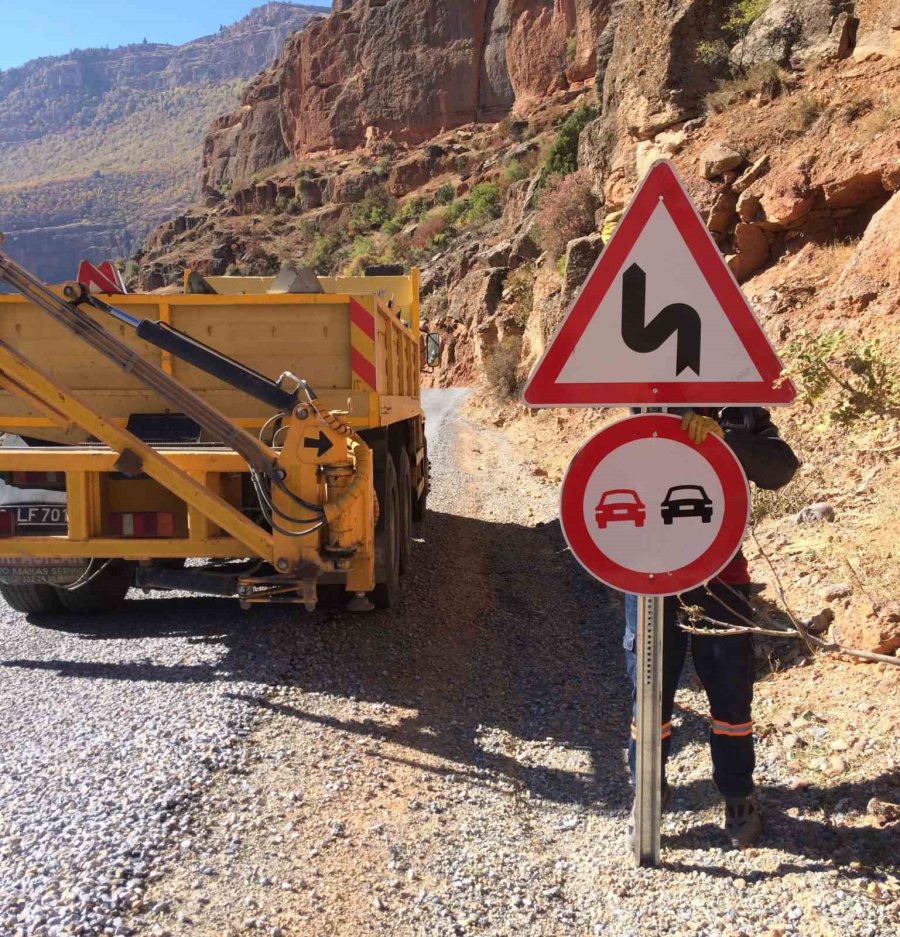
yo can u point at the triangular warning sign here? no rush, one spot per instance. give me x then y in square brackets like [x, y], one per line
[102, 279]
[660, 319]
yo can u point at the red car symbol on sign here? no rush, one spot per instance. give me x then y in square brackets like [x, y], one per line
[620, 504]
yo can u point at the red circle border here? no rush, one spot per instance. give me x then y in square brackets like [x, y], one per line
[716, 557]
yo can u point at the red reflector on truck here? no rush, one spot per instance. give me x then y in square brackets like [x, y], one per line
[44, 479]
[142, 524]
[7, 524]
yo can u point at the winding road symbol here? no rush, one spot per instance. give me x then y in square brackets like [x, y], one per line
[675, 319]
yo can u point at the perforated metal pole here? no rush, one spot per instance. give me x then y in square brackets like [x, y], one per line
[648, 780]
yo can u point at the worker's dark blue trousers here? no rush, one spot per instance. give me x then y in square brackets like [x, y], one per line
[724, 666]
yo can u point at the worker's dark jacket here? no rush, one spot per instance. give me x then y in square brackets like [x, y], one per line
[768, 461]
[724, 665]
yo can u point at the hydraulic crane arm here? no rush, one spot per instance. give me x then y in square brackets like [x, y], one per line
[258, 456]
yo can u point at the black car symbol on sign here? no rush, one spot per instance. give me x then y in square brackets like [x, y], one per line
[686, 501]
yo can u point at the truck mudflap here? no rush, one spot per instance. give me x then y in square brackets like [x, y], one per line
[28, 570]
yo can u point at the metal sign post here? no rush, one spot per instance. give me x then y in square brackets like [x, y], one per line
[648, 745]
[648, 776]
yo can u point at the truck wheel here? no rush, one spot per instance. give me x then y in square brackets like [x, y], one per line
[420, 501]
[104, 593]
[30, 598]
[387, 539]
[405, 499]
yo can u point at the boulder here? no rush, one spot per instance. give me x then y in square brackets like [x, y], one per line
[495, 256]
[717, 158]
[816, 513]
[788, 197]
[721, 214]
[872, 275]
[646, 153]
[581, 255]
[751, 174]
[748, 207]
[547, 311]
[249, 139]
[878, 33]
[409, 175]
[651, 80]
[351, 187]
[752, 251]
[870, 627]
[524, 247]
[835, 591]
[853, 190]
[793, 31]
[476, 296]
[514, 206]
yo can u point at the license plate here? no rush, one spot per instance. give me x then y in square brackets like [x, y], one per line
[40, 515]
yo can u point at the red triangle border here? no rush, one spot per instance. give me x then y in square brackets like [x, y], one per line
[660, 183]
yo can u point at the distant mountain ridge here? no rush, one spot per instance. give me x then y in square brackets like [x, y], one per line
[107, 142]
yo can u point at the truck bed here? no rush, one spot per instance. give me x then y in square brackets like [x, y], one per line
[353, 349]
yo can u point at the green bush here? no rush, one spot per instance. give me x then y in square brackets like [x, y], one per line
[362, 245]
[444, 194]
[571, 49]
[514, 172]
[484, 203]
[383, 167]
[562, 157]
[740, 17]
[322, 256]
[372, 211]
[456, 210]
[858, 378]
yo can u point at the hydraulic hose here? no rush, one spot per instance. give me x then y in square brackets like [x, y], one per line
[362, 478]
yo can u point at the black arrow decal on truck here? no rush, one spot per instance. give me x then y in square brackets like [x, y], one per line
[675, 319]
[322, 444]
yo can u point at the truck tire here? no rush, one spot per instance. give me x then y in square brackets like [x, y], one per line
[387, 538]
[104, 593]
[32, 599]
[405, 500]
[420, 502]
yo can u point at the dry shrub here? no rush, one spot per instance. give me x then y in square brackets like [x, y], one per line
[502, 366]
[880, 118]
[432, 226]
[766, 78]
[567, 212]
[803, 111]
[520, 286]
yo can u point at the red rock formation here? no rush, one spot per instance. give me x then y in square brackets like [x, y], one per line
[405, 70]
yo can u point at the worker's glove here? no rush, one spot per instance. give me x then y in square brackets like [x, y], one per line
[699, 427]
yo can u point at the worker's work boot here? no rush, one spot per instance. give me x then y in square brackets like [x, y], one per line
[743, 821]
[666, 801]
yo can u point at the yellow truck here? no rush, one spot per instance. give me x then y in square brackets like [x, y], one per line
[255, 437]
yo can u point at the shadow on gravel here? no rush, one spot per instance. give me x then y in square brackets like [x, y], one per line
[821, 840]
[498, 630]
[505, 654]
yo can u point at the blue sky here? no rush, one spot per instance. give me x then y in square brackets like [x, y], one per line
[32, 28]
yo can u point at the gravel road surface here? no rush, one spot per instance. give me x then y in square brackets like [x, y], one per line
[454, 766]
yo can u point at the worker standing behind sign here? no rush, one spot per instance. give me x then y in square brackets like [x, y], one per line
[724, 664]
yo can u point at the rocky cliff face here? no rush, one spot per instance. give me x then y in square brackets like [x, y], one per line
[96, 114]
[387, 72]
